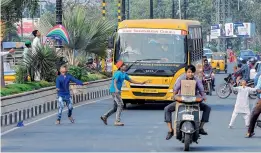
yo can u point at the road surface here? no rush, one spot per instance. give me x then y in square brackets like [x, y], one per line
[144, 131]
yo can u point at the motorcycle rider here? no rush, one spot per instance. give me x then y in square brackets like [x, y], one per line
[208, 68]
[244, 70]
[189, 75]
[252, 63]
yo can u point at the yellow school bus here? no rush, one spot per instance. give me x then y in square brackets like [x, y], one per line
[156, 50]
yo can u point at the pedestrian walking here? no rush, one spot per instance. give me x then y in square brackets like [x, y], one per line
[63, 93]
[115, 88]
[242, 103]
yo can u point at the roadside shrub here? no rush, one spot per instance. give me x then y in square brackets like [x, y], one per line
[20, 74]
[77, 72]
[20, 88]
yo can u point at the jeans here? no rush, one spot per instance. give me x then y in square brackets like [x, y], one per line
[171, 108]
[117, 107]
[254, 116]
[69, 104]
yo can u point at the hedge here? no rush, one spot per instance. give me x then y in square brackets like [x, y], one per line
[20, 88]
[30, 86]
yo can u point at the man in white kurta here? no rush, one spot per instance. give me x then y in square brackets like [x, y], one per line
[36, 45]
[242, 103]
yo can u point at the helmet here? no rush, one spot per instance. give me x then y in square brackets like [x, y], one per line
[28, 42]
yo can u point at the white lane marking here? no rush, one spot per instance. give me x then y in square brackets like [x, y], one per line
[155, 127]
[43, 118]
[150, 131]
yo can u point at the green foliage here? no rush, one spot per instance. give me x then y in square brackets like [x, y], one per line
[11, 10]
[20, 74]
[43, 60]
[77, 72]
[20, 88]
[86, 36]
[93, 77]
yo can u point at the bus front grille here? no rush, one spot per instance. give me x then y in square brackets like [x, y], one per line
[150, 94]
[150, 87]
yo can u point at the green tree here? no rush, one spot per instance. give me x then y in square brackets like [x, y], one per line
[86, 35]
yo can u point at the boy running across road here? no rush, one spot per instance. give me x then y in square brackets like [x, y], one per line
[242, 103]
[63, 92]
[116, 84]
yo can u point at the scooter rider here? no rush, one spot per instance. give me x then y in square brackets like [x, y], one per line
[208, 68]
[190, 70]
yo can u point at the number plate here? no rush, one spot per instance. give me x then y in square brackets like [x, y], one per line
[149, 91]
[188, 117]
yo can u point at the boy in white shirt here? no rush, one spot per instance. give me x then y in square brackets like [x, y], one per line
[242, 103]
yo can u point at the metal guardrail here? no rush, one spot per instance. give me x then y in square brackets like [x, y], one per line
[27, 105]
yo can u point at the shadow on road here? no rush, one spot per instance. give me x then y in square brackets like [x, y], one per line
[152, 106]
[157, 106]
[222, 107]
[220, 148]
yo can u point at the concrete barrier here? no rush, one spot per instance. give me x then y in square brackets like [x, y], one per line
[26, 105]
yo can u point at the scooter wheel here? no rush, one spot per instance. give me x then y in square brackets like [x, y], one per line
[187, 141]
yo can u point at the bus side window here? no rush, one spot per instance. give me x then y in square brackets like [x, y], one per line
[117, 51]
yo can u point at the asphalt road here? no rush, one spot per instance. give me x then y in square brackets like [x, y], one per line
[144, 131]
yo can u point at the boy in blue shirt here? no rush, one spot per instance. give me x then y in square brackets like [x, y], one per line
[115, 89]
[63, 92]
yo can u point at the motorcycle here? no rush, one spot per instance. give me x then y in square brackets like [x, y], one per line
[207, 83]
[187, 119]
[225, 89]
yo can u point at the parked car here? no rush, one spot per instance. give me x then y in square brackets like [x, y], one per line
[246, 55]
[207, 51]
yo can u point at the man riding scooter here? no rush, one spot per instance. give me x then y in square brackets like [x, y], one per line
[208, 68]
[189, 75]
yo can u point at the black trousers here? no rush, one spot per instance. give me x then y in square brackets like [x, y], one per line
[171, 108]
[255, 114]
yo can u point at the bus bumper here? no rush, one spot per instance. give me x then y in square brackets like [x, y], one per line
[161, 95]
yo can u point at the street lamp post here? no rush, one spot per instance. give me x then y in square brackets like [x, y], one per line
[151, 9]
[173, 9]
[179, 10]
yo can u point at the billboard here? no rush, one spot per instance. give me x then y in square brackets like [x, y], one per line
[239, 29]
[247, 29]
[229, 30]
[28, 25]
[215, 31]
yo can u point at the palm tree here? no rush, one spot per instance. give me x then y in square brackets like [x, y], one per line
[86, 36]
[43, 60]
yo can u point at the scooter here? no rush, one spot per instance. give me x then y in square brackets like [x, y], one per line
[187, 119]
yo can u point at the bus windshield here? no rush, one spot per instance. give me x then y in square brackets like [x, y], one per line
[166, 45]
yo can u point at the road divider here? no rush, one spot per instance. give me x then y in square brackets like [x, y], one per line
[20, 107]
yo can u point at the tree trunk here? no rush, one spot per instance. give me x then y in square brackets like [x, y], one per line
[2, 73]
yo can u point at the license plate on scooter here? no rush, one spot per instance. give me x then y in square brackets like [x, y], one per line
[188, 117]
